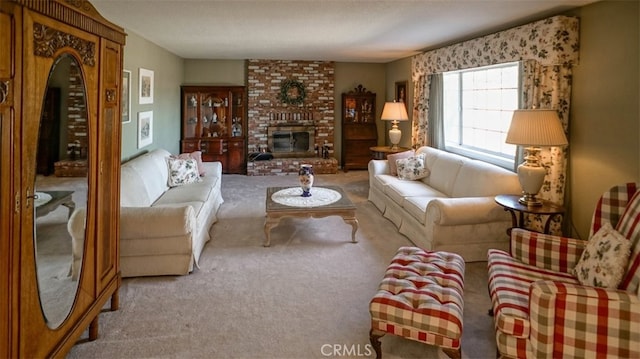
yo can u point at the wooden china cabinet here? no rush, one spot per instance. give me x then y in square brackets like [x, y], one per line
[40, 41]
[214, 121]
[359, 131]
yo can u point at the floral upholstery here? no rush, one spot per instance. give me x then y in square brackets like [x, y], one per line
[540, 308]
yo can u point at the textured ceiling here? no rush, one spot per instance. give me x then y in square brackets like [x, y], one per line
[346, 30]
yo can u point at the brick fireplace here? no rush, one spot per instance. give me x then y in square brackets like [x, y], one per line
[266, 110]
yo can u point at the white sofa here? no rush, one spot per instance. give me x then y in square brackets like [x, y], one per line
[453, 209]
[163, 229]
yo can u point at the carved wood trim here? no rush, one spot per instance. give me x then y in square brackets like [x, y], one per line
[111, 95]
[84, 17]
[4, 91]
[360, 90]
[47, 41]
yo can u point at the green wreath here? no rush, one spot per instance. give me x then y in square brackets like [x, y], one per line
[292, 92]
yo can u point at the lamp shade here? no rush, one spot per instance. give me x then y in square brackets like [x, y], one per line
[394, 111]
[537, 127]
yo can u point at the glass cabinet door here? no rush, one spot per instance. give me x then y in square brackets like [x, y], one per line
[237, 113]
[214, 114]
[190, 118]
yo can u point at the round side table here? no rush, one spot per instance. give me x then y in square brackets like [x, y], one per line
[510, 203]
[381, 152]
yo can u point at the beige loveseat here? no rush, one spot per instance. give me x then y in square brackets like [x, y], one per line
[162, 229]
[452, 209]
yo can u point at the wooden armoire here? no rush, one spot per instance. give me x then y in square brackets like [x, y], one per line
[35, 37]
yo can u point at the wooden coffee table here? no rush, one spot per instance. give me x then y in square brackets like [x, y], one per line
[276, 211]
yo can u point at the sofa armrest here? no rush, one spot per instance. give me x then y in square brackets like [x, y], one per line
[563, 315]
[155, 222]
[465, 210]
[559, 254]
[378, 167]
[213, 169]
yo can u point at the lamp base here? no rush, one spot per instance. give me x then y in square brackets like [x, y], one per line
[531, 176]
[394, 135]
[530, 200]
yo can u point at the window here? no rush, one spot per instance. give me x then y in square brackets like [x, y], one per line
[477, 109]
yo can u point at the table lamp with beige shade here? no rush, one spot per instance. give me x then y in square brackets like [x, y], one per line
[394, 111]
[532, 129]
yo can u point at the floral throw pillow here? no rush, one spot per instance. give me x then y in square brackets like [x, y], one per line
[196, 155]
[393, 158]
[182, 171]
[412, 168]
[604, 260]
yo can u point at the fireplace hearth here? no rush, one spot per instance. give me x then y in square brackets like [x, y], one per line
[291, 141]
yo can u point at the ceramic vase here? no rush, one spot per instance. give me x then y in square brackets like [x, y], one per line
[305, 175]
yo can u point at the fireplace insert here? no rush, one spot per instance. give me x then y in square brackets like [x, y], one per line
[291, 141]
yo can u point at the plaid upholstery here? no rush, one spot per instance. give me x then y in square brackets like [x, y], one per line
[509, 282]
[540, 309]
[421, 297]
[611, 206]
[559, 254]
[629, 226]
[576, 321]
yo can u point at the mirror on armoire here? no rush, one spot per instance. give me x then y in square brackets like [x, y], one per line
[61, 185]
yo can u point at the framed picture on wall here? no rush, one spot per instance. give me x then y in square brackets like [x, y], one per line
[145, 128]
[126, 96]
[401, 92]
[146, 86]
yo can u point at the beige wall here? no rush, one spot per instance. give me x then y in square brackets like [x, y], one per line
[604, 123]
[398, 71]
[215, 72]
[348, 76]
[167, 68]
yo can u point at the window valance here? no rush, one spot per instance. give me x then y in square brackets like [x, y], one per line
[552, 41]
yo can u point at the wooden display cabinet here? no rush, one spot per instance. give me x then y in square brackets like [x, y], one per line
[359, 131]
[214, 122]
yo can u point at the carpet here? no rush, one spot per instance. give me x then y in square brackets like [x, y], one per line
[306, 296]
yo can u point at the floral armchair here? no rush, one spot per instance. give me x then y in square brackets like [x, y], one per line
[540, 308]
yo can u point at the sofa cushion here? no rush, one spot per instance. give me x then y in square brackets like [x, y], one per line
[604, 260]
[479, 179]
[402, 189]
[392, 158]
[444, 171]
[182, 194]
[382, 182]
[133, 192]
[182, 171]
[152, 174]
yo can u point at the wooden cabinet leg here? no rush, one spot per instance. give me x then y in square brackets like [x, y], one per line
[374, 339]
[93, 329]
[115, 300]
[453, 353]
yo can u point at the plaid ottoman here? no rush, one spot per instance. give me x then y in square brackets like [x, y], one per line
[420, 298]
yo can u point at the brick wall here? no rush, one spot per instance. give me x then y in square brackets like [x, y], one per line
[264, 78]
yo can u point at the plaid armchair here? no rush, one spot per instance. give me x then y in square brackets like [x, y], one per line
[542, 311]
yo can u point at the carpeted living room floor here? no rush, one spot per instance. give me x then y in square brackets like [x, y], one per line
[306, 296]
